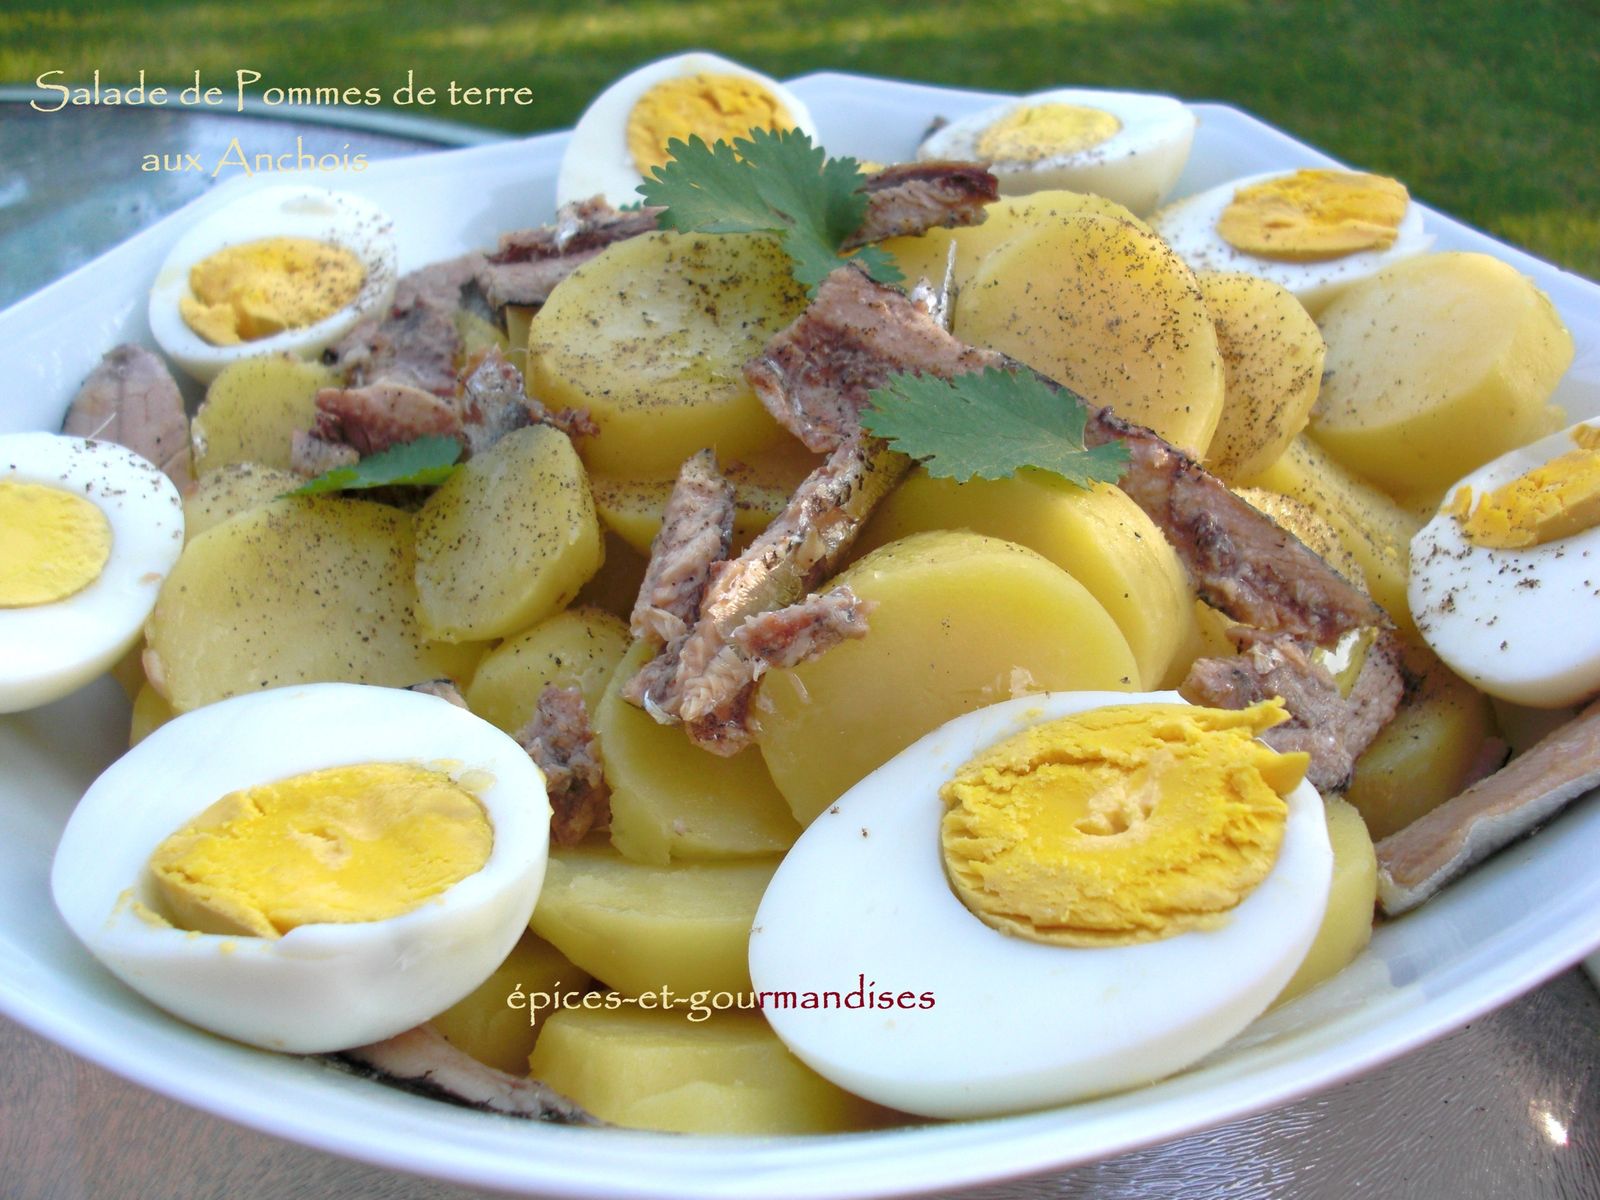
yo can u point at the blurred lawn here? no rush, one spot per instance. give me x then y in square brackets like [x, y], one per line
[1486, 109]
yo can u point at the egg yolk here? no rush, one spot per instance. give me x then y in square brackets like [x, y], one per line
[1038, 131]
[1121, 825]
[53, 543]
[354, 843]
[1313, 215]
[258, 289]
[1554, 500]
[716, 107]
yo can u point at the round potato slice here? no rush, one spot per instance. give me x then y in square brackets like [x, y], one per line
[507, 540]
[1105, 307]
[641, 928]
[252, 410]
[486, 1024]
[302, 590]
[1432, 749]
[1097, 535]
[671, 800]
[231, 490]
[1436, 366]
[579, 648]
[1347, 925]
[690, 1070]
[1272, 367]
[651, 337]
[960, 621]
[1372, 527]
[925, 255]
[632, 508]
[615, 586]
[150, 712]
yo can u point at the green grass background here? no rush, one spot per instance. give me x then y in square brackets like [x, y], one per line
[1488, 110]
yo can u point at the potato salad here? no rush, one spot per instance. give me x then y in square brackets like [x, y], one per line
[698, 663]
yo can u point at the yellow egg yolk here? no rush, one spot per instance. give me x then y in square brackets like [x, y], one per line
[1313, 215]
[258, 289]
[1554, 500]
[715, 107]
[53, 543]
[1120, 825]
[355, 843]
[1038, 131]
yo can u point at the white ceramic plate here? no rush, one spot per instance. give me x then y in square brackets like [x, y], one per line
[1515, 921]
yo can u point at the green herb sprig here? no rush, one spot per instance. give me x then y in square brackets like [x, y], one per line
[777, 182]
[989, 425]
[425, 462]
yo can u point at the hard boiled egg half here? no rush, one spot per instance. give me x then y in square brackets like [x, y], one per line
[945, 1013]
[624, 132]
[1505, 579]
[88, 530]
[282, 270]
[1313, 231]
[1126, 146]
[309, 868]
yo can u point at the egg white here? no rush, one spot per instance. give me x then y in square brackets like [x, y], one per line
[1137, 166]
[357, 225]
[1523, 625]
[1014, 1024]
[320, 987]
[1189, 226]
[597, 161]
[48, 650]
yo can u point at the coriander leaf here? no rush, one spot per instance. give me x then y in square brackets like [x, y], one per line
[878, 263]
[708, 189]
[424, 462]
[989, 425]
[774, 181]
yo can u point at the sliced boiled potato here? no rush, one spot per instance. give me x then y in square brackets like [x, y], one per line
[925, 255]
[519, 319]
[252, 409]
[1213, 625]
[1310, 526]
[763, 482]
[1424, 504]
[651, 337]
[676, 1072]
[498, 1022]
[1437, 365]
[781, 465]
[1105, 307]
[640, 928]
[1426, 754]
[128, 670]
[672, 800]
[1097, 535]
[579, 647]
[1523, 728]
[507, 540]
[615, 586]
[1272, 368]
[632, 508]
[302, 590]
[1373, 528]
[960, 621]
[231, 490]
[150, 712]
[479, 335]
[1352, 896]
